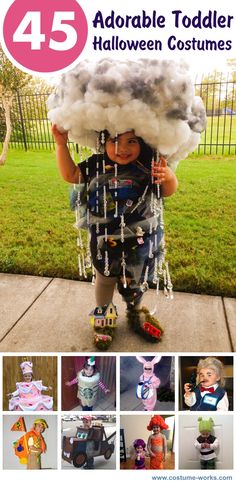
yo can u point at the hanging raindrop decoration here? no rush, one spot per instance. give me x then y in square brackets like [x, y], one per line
[160, 266]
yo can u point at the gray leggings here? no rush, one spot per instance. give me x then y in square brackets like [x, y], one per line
[104, 290]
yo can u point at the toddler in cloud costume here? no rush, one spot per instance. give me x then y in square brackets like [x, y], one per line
[140, 118]
[209, 394]
[28, 395]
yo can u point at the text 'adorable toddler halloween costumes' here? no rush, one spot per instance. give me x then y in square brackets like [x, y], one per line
[120, 200]
[28, 395]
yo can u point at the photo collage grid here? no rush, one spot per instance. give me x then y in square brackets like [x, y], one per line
[117, 411]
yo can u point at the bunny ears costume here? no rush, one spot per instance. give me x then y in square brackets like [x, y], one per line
[148, 383]
[148, 364]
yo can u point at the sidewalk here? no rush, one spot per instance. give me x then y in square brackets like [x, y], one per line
[51, 315]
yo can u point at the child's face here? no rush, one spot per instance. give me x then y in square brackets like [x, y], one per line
[87, 423]
[139, 449]
[205, 434]
[27, 377]
[208, 377]
[39, 428]
[156, 429]
[147, 369]
[124, 149]
[89, 370]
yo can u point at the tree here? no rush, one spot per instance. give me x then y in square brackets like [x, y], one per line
[231, 63]
[210, 91]
[11, 79]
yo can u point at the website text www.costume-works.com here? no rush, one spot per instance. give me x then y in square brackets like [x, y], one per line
[192, 477]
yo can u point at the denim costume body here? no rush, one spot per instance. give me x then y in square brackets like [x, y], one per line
[134, 193]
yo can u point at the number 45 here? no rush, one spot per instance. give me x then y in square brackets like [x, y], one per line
[35, 37]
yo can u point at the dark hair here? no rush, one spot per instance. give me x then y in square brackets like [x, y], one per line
[86, 365]
[139, 442]
[146, 151]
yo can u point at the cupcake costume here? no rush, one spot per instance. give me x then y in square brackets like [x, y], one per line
[28, 395]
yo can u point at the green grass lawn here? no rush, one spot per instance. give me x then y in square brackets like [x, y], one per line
[220, 136]
[37, 235]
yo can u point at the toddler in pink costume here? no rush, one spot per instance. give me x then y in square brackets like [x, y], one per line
[27, 396]
[148, 383]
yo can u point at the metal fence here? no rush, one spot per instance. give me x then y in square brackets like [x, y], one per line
[220, 103]
[31, 128]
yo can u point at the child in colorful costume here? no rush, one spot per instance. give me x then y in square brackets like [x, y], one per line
[156, 445]
[125, 182]
[207, 444]
[28, 395]
[31, 445]
[148, 383]
[209, 394]
[88, 380]
[140, 453]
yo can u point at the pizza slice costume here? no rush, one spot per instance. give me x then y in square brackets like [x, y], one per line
[31, 445]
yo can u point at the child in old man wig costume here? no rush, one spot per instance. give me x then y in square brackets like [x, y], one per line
[209, 393]
[88, 380]
[28, 395]
[132, 113]
[156, 445]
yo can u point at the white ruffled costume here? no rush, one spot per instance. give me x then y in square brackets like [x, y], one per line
[28, 395]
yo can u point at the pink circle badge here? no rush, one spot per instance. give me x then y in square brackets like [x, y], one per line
[45, 37]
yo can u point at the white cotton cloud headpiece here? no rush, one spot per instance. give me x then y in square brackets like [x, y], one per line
[154, 97]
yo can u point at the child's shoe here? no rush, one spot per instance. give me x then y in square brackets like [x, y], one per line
[103, 320]
[103, 340]
[144, 323]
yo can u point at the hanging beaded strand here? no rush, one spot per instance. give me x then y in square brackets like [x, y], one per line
[155, 194]
[122, 219]
[116, 182]
[168, 287]
[99, 256]
[116, 194]
[158, 267]
[97, 179]
[100, 140]
[156, 208]
[78, 214]
[106, 268]
[157, 211]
